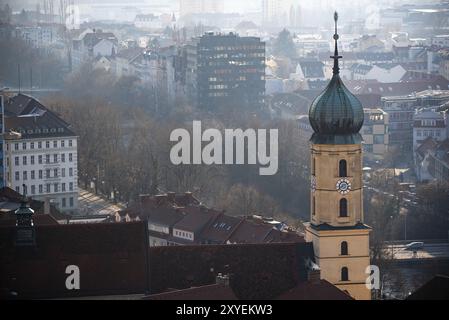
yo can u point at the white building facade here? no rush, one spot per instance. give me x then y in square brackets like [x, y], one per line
[41, 158]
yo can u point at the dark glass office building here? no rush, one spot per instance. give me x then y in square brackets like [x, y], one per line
[226, 70]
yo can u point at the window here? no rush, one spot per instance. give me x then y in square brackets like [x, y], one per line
[70, 143]
[47, 158]
[31, 145]
[25, 175]
[63, 172]
[47, 173]
[56, 187]
[342, 170]
[344, 274]
[32, 175]
[378, 139]
[62, 157]
[32, 159]
[17, 175]
[71, 186]
[55, 144]
[63, 187]
[33, 189]
[55, 173]
[47, 144]
[63, 202]
[47, 187]
[24, 160]
[40, 174]
[62, 143]
[55, 158]
[41, 189]
[344, 248]
[70, 172]
[24, 145]
[343, 207]
[16, 146]
[18, 189]
[70, 157]
[39, 159]
[16, 161]
[39, 145]
[313, 206]
[71, 201]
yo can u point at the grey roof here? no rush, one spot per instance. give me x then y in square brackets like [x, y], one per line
[28, 116]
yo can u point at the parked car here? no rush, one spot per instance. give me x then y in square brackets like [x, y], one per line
[415, 246]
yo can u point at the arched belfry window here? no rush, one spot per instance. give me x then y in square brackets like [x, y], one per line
[344, 274]
[343, 207]
[342, 169]
[313, 205]
[344, 248]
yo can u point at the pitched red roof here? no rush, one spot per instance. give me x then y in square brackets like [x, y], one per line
[111, 258]
[220, 229]
[249, 232]
[258, 271]
[314, 290]
[208, 292]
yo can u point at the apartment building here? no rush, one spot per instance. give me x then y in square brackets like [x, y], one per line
[40, 153]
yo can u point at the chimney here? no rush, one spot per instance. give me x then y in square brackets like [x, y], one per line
[222, 279]
[313, 272]
[25, 232]
[171, 196]
[47, 205]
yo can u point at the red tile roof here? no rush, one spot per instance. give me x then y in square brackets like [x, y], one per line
[111, 258]
[258, 271]
[314, 290]
[208, 292]
[250, 232]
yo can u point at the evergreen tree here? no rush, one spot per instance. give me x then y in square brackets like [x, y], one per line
[284, 46]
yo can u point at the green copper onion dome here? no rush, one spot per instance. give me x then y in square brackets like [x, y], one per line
[336, 115]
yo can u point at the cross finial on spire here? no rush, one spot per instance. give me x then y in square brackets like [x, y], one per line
[336, 68]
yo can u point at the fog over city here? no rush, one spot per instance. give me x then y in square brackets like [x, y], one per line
[224, 149]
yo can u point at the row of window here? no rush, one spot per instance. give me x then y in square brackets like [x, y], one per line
[48, 188]
[40, 159]
[56, 174]
[184, 234]
[428, 133]
[39, 144]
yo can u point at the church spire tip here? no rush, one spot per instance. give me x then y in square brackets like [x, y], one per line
[336, 68]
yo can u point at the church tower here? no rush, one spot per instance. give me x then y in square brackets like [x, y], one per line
[340, 238]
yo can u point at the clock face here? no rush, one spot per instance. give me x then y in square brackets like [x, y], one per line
[313, 183]
[343, 186]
